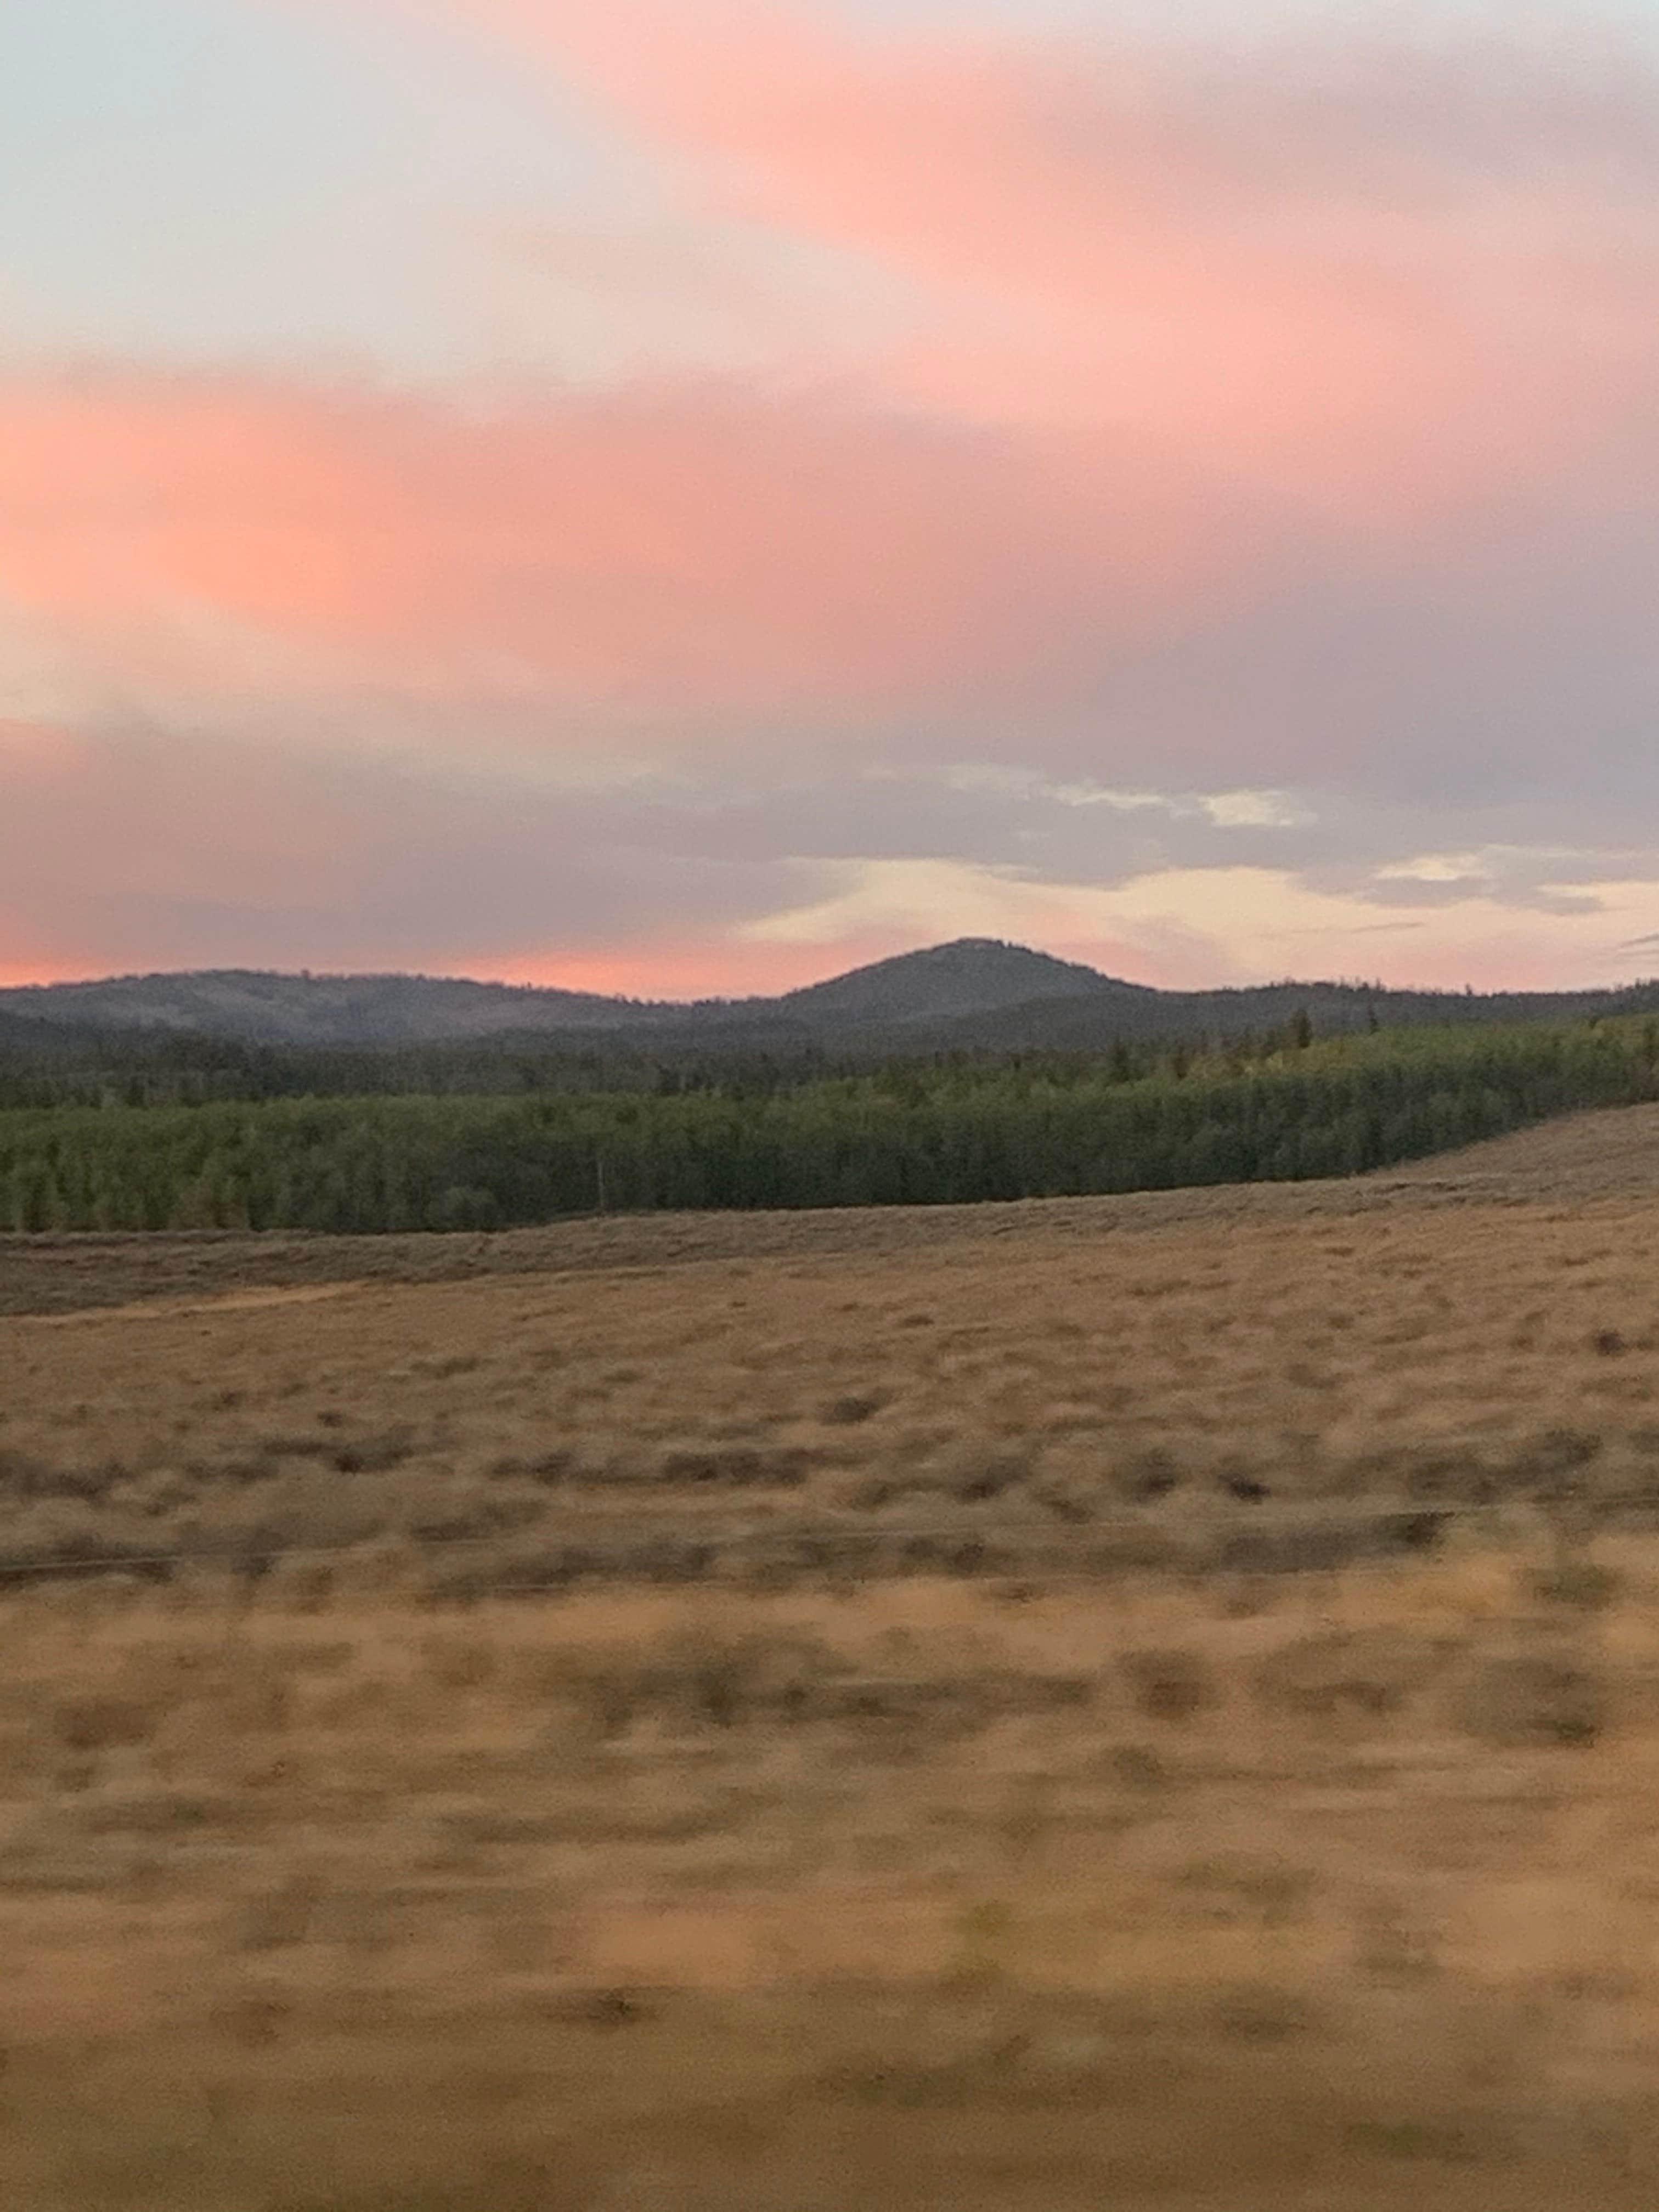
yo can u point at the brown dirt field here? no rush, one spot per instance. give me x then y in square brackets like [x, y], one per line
[1151, 1703]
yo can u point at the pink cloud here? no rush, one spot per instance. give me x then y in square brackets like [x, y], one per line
[1177, 317]
[35, 748]
[701, 552]
[693, 963]
[1384, 281]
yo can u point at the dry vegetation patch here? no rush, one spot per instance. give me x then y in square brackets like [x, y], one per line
[1096, 1705]
[748, 1876]
[1248, 1395]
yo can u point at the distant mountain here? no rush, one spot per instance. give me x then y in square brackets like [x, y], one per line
[24, 1033]
[975, 994]
[976, 975]
[273, 1009]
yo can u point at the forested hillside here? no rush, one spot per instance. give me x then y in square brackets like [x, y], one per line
[974, 995]
[914, 1132]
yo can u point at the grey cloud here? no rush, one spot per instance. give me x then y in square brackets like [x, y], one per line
[352, 863]
[328, 861]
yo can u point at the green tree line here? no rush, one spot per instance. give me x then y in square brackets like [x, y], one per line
[919, 1133]
[145, 1068]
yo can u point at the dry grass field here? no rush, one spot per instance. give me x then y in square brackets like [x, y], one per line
[1142, 1702]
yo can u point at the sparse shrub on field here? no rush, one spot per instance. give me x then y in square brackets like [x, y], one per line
[727, 1680]
[1176, 1685]
[1138, 1766]
[371, 1454]
[1144, 1477]
[1555, 1464]
[73, 1538]
[535, 1562]
[1435, 2142]
[281, 1916]
[850, 1412]
[104, 1723]
[551, 1469]
[1392, 1948]
[984, 1933]
[1247, 1597]
[240, 1468]
[977, 1474]
[457, 1662]
[446, 1366]
[302, 1586]
[1532, 1699]
[309, 1508]
[868, 1493]
[1257, 2012]
[1240, 1482]
[1577, 1583]
[1070, 1495]
[25, 1476]
[1456, 1474]
[1248, 1891]
[721, 1677]
[1368, 1674]
[700, 1677]
[442, 1510]
[739, 1466]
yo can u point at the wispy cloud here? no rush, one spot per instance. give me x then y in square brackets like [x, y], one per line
[1226, 810]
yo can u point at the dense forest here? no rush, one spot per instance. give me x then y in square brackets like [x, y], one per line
[644, 1135]
[44, 1066]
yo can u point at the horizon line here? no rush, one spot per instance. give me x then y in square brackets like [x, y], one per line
[311, 974]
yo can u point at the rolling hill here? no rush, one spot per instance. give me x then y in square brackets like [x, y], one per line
[974, 994]
[276, 1009]
[970, 978]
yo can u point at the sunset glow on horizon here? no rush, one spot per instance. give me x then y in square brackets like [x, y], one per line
[679, 500]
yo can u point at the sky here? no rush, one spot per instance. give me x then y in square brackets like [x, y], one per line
[682, 496]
